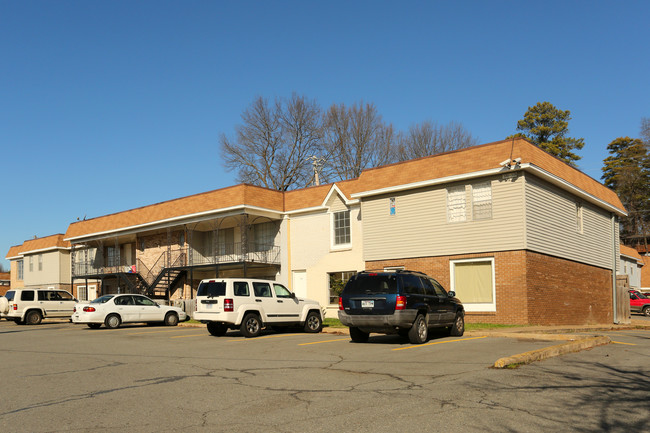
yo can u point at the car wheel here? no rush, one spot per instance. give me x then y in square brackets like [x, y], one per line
[358, 336]
[251, 326]
[171, 319]
[94, 325]
[217, 329]
[112, 321]
[33, 318]
[458, 328]
[646, 311]
[313, 324]
[419, 332]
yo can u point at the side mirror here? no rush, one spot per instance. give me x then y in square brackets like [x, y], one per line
[293, 295]
[451, 294]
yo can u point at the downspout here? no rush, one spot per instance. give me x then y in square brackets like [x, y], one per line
[614, 261]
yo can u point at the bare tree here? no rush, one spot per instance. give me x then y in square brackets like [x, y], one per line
[645, 130]
[356, 138]
[429, 138]
[272, 144]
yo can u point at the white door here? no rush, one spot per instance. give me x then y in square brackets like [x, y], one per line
[299, 283]
[92, 292]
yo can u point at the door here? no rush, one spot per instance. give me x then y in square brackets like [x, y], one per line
[287, 307]
[148, 310]
[92, 293]
[266, 301]
[125, 306]
[299, 283]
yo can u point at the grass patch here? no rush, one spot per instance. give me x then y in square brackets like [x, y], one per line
[480, 326]
[333, 323]
[192, 321]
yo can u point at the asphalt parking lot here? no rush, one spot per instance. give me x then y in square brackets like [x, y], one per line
[64, 377]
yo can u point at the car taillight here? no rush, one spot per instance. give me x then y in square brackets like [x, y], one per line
[15, 307]
[341, 303]
[89, 309]
[400, 302]
[228, 305]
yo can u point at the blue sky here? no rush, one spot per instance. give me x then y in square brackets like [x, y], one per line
[111, 105]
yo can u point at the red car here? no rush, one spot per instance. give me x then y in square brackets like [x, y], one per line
[639, 303]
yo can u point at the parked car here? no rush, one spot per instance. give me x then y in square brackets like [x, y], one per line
[31, 306]
[403, 302]
[113, 310]
[639, 303]
[250, 305]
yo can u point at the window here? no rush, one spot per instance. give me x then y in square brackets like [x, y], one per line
[337, 281]
[181, 240]
[111, 255]
[40, 262]
[456, 204]
[482, 201]
[281, 291]
[31, 263]
[27, 295]
[82, 293]
[412, 285]
[262, 290]
[21, 269]
[240, 288]
[473, 282]
[341, 225]
[579, 225]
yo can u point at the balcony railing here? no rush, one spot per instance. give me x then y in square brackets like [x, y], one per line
[226, 253]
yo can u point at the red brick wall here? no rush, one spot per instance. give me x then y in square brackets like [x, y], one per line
[561, 292]
[530, 288]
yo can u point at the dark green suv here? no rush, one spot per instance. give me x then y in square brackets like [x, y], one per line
[403, 302]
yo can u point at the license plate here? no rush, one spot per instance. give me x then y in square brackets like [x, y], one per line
[368, 304]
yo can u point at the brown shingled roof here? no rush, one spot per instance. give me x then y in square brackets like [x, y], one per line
[478, 158]
[473, 159]
[52, 241]
[631, 252]
[207, 201]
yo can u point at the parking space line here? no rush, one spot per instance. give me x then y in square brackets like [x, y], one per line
[152, 332]
[266, 336]
[620, 342]
[191, 335]
[438, 342]
[325, 341]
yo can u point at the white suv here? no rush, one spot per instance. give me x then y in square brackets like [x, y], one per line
[31, 306]
[249, 305]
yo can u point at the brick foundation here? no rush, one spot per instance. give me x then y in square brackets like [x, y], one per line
[531, 288]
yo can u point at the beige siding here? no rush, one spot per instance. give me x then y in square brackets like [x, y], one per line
[335, 204]
[551, 226]
[419, 227]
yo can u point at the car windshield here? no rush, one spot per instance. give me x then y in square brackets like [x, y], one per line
[366, 284]
[212, 289]
[102, 299]
[641, 295]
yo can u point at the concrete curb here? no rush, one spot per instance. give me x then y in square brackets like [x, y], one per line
[580, 343]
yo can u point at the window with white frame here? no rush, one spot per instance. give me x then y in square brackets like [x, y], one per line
[40, 262]
[482, 201]
[21, 269]
[473, 282]
[456, 204]
[338, 280]
[31, 263]
[82, 293]
[341, 228]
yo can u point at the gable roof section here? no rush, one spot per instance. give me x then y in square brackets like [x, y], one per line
[216, 200]
[483, 158]
[632, 254]
[39, 244]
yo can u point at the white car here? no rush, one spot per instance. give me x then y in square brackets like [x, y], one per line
[113, 310]
[251, 304]
[31, 306]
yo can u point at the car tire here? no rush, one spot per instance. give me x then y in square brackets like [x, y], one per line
[646, 311]
[94, 325]
[313, 323]
[33, 318]
[251, 326]
[171, 319]
[112, 321]
[419, 332]
[217, 329]
[358, 336]
[458, 328]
